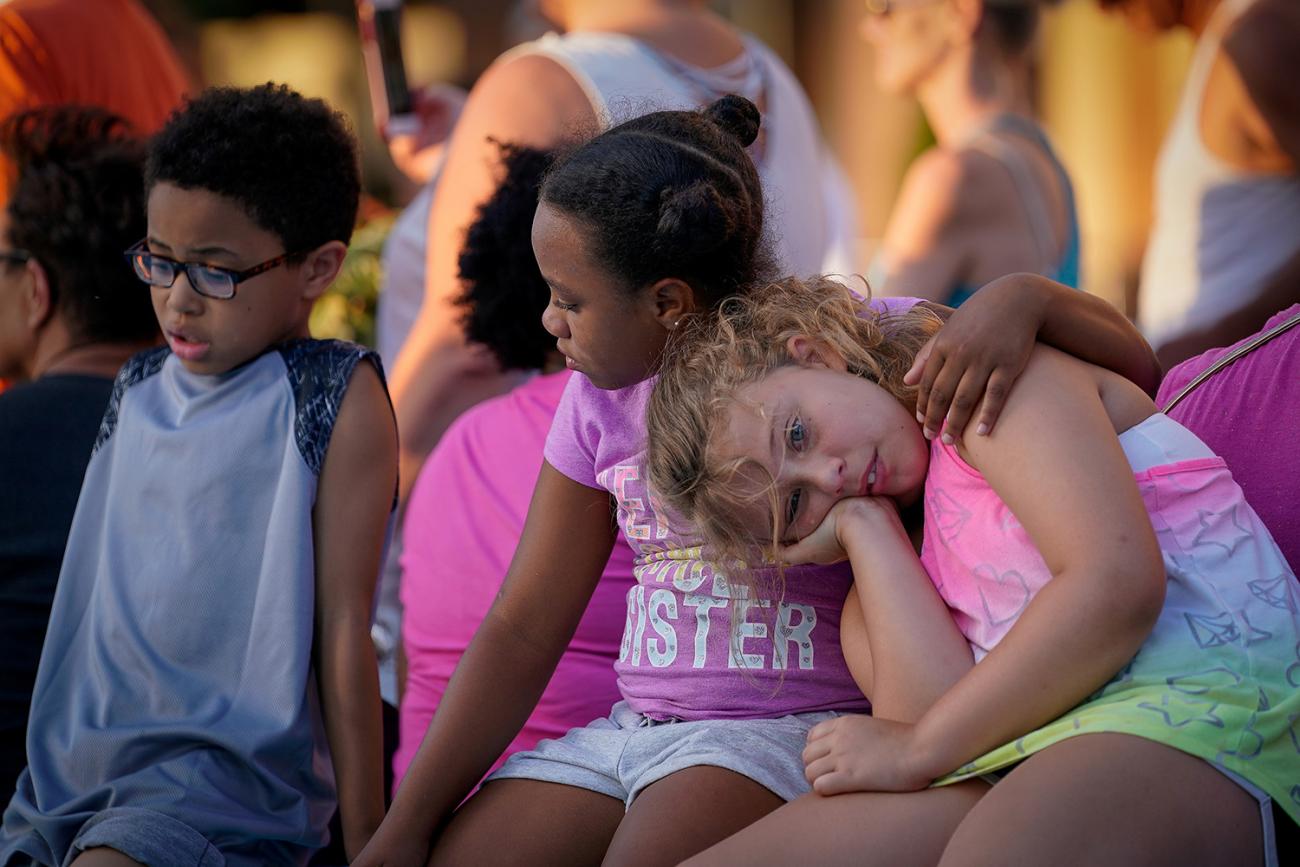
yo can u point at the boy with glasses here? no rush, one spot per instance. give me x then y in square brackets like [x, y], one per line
[207, 692]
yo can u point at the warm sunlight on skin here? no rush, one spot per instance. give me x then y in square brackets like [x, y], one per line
[823, 435]
[212, 336]
[601, 330]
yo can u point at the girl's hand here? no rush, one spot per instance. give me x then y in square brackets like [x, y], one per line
[858, 753]
[827, 544]
[976, 357]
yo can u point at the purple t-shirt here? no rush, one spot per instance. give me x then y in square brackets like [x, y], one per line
[1249, 413]
[680, 656]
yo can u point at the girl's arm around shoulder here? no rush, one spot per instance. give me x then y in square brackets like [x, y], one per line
[973, 362]
[1056, 461]
[350, 519]
[562, 553]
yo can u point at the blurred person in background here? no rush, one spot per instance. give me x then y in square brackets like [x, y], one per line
[1224, 252]
[466, 511]
[107, 53]
[71, 313]
[614, 61]
[990, 198]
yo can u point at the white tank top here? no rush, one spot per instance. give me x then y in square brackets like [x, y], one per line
[1220, 232]
[810, 218]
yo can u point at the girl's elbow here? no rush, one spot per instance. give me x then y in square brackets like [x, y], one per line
[1145, 596]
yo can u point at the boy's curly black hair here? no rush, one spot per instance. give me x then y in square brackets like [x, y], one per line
[289, 161]
[505, 294]
[75, 206]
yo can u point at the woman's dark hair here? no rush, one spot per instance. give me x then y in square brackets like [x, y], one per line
[75, 206]
[671, 194]
[289, 161]
[505, 294]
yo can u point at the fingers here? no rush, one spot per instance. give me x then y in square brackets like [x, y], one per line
[814, 771]
[964, 401]
[793, 555]
[822, 729]
[834, 783]
[913, 375]
[815, 749]
[939, 398]
[995, 398]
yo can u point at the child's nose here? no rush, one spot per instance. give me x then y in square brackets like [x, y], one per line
[554, 322]
[830, 477]
[181, 297]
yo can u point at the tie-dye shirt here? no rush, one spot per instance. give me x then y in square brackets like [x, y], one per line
[1218, 675]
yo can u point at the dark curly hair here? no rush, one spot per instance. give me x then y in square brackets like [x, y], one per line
[671, 194]
[289, 161]
[504, 291]
[74, 206]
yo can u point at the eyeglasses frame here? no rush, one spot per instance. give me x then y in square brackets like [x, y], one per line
[236, 277]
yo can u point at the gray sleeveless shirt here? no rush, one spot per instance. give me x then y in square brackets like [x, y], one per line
[177, 670]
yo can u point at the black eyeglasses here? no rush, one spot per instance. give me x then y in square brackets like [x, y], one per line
[210, 281]
[17, 257]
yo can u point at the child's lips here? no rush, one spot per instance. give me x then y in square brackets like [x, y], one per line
[869, 477]
[186, 346]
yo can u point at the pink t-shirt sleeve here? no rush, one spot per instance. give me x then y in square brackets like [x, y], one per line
[571, 443]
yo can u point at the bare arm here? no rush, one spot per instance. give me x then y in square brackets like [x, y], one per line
[898, 634]
[919, 250]
[1057, 464]
[917, 653]
[973, 362]
[1264, 121]
[531, 101]
[566, 542]
[349, 522]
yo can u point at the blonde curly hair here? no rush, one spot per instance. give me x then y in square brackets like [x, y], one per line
[716, 355]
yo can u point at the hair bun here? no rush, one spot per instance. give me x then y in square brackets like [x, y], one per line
[736, 116]
[692, 219]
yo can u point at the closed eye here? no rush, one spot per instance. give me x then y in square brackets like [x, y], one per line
[560, 305]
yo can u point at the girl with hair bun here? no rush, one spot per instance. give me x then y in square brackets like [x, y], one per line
[653, 221]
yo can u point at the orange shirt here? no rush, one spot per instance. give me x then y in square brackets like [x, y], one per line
[108, 53]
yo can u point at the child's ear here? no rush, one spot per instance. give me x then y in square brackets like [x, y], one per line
[673, 299]
[320, 268]
[811, 352]
[39, 300]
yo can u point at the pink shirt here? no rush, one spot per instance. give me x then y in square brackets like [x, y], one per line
[463, 522]
[1249, 413]
[678, 658]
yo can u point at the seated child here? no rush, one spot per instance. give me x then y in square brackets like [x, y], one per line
[207, 691]
[1057, 639]
[467, 508]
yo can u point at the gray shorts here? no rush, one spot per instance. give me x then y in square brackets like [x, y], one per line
[621, 755]
[150, 837]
